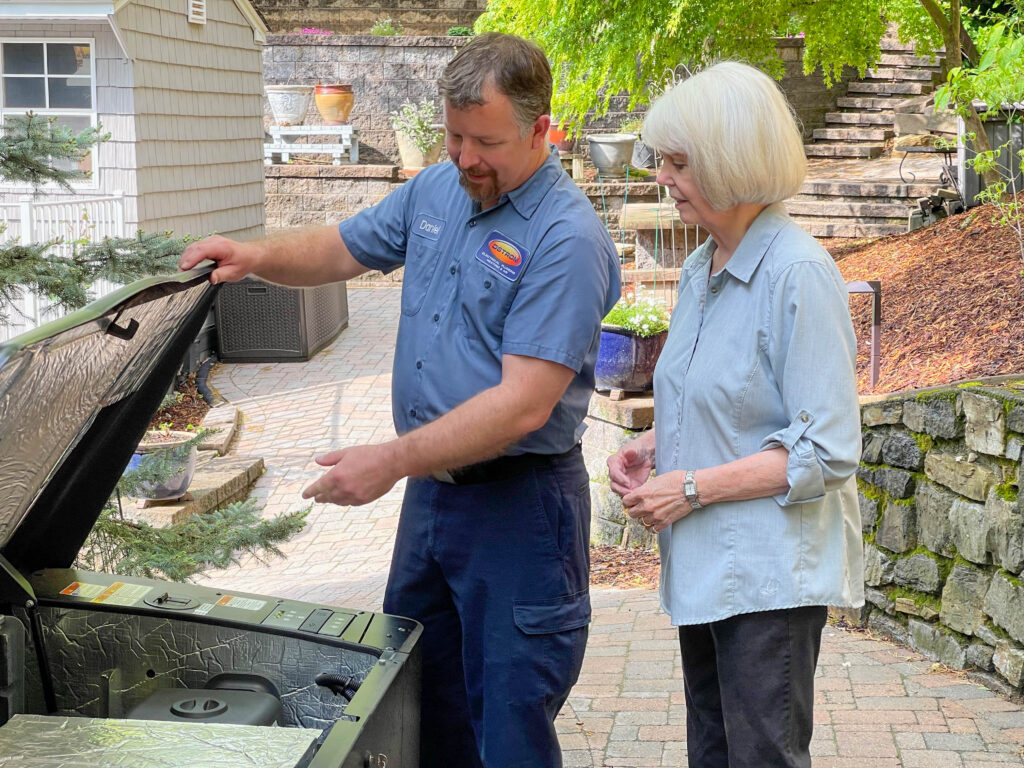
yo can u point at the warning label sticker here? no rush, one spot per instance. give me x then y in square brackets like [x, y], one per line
[120, 593]
[243, 603]
[86, 591]
[204, 609]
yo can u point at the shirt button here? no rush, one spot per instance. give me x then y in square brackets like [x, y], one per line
[452, 270]
[805, 418]
[412, 412]
[472, 223]
[419, 364]
[714, 289]
[487, 283]
[436, 318]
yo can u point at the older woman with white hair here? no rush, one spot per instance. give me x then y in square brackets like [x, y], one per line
[757, 432]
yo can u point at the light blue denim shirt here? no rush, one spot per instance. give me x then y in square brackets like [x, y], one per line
[760, 355]
[531, 276]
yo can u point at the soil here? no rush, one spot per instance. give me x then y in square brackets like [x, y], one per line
[624, 568]
[190, 409]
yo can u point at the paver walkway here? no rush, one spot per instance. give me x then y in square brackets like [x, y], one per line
[878, 705]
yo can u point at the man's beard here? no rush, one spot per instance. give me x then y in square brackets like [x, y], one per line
[481, 192]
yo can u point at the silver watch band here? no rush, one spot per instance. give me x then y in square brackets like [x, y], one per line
[690, 490]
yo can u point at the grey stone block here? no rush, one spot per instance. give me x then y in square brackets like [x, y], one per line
[1005, 532]
[871, 447]
[979, 656]
[898, 483]
[918, 572]
[1009, 662]
[879, 599]
[970, 530]
[1014, 448]
[935, 644]
[984, 633]
[934, 529]
[888, 627]
[985, 429]
[898, 530]
[878, 567]
[1004, 602]
[605, 504]
[902, 450]
[966, 478]
[605, 532]
[1015, 419]
[868, 512]
[963, 598]
[884, 412]
[935, 416]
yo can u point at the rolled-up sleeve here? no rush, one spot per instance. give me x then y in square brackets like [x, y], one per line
[813, 352]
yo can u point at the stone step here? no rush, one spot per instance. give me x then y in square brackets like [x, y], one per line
[888, 89]
[843, 150]
[849, 210]
[893, 45]
[900, 74]
[860, 118]
[831, 228]
[876, 191]
[852, 134]
[867, 102]
[910, 60]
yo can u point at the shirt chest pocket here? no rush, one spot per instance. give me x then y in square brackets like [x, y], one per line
[422, 264]
[486, 299]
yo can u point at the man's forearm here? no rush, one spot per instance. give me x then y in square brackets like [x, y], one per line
[305, 258]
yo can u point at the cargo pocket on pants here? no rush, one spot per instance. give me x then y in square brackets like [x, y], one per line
[555, 614]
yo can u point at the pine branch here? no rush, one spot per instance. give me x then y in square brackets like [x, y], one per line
[31, 147]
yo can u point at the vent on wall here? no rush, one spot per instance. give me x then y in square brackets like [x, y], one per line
[196, 11]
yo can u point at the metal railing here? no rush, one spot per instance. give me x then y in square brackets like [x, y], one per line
[70, 222]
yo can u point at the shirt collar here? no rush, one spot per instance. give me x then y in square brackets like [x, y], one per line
[527, 196]
[756, 242]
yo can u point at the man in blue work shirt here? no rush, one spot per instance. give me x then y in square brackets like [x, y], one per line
[508, 273]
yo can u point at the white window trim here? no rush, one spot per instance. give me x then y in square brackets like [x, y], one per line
[91, 183]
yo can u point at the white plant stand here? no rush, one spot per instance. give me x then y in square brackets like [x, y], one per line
[282, 142]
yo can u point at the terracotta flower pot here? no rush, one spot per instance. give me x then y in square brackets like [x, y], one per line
[558, 135]
[334, 102]
[413, 160]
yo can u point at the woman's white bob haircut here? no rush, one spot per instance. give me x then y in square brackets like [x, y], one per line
[737, 131]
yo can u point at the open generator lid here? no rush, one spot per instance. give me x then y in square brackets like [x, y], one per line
[76, 396]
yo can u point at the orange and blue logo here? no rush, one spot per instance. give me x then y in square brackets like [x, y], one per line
[503, 257]
[505, 252]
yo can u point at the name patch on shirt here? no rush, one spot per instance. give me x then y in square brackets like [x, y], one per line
[427, 226]
[502, 256]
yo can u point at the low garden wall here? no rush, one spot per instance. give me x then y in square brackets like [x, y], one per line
[352, 17]
[943, 523]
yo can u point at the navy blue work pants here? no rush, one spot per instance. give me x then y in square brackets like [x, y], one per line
[497, 573]
[749, 684]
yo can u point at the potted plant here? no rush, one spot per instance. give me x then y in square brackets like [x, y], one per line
[560, 134]
[289, 103]
[334, 102]
[611, 153]
[632, 337]
[643, 156]
[164, 463]
[419, 135]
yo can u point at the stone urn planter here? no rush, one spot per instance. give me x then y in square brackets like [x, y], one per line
[413, 158]
[169, 453]
[611, 153]
[334, 102]
[626, 360]
[289, 103]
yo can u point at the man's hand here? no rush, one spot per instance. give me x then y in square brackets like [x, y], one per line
[358, 475]
[234, 260]
[631, 467]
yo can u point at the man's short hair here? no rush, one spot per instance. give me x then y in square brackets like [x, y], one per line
[514, 66]
[738, 132]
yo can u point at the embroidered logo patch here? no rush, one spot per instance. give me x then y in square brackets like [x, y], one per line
[428, 226]
[502, 256]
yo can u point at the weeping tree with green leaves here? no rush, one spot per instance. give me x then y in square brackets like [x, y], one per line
[599, 48]
[38, 151]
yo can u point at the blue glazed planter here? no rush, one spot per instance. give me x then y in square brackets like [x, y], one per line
[626, 361]
[174, 486]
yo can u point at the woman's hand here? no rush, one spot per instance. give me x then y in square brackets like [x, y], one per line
[631, 467]
[659, 502]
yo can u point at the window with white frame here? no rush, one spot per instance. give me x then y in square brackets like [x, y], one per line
[51, 78]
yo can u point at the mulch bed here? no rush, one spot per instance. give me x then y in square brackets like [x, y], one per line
[624, 568]
[952, 302]
[190, 409]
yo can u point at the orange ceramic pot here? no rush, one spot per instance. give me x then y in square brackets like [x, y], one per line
[334, 102]
[557, 134]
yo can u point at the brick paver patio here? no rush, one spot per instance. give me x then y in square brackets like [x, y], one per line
[878, 705]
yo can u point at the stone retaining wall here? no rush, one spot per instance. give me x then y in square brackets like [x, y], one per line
[353, 17]
[944, 527]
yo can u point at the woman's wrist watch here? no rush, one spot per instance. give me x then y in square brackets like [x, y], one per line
[690, 490]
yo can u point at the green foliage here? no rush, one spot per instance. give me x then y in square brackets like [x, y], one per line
[419, 122]
[998, 82]
[386, 28]
[460, 31]
[643, 316]
[31, 145]
[182, 550]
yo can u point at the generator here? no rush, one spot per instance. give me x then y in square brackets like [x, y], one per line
[103, 670]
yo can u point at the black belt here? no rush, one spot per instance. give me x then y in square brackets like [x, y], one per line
[500, 468]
